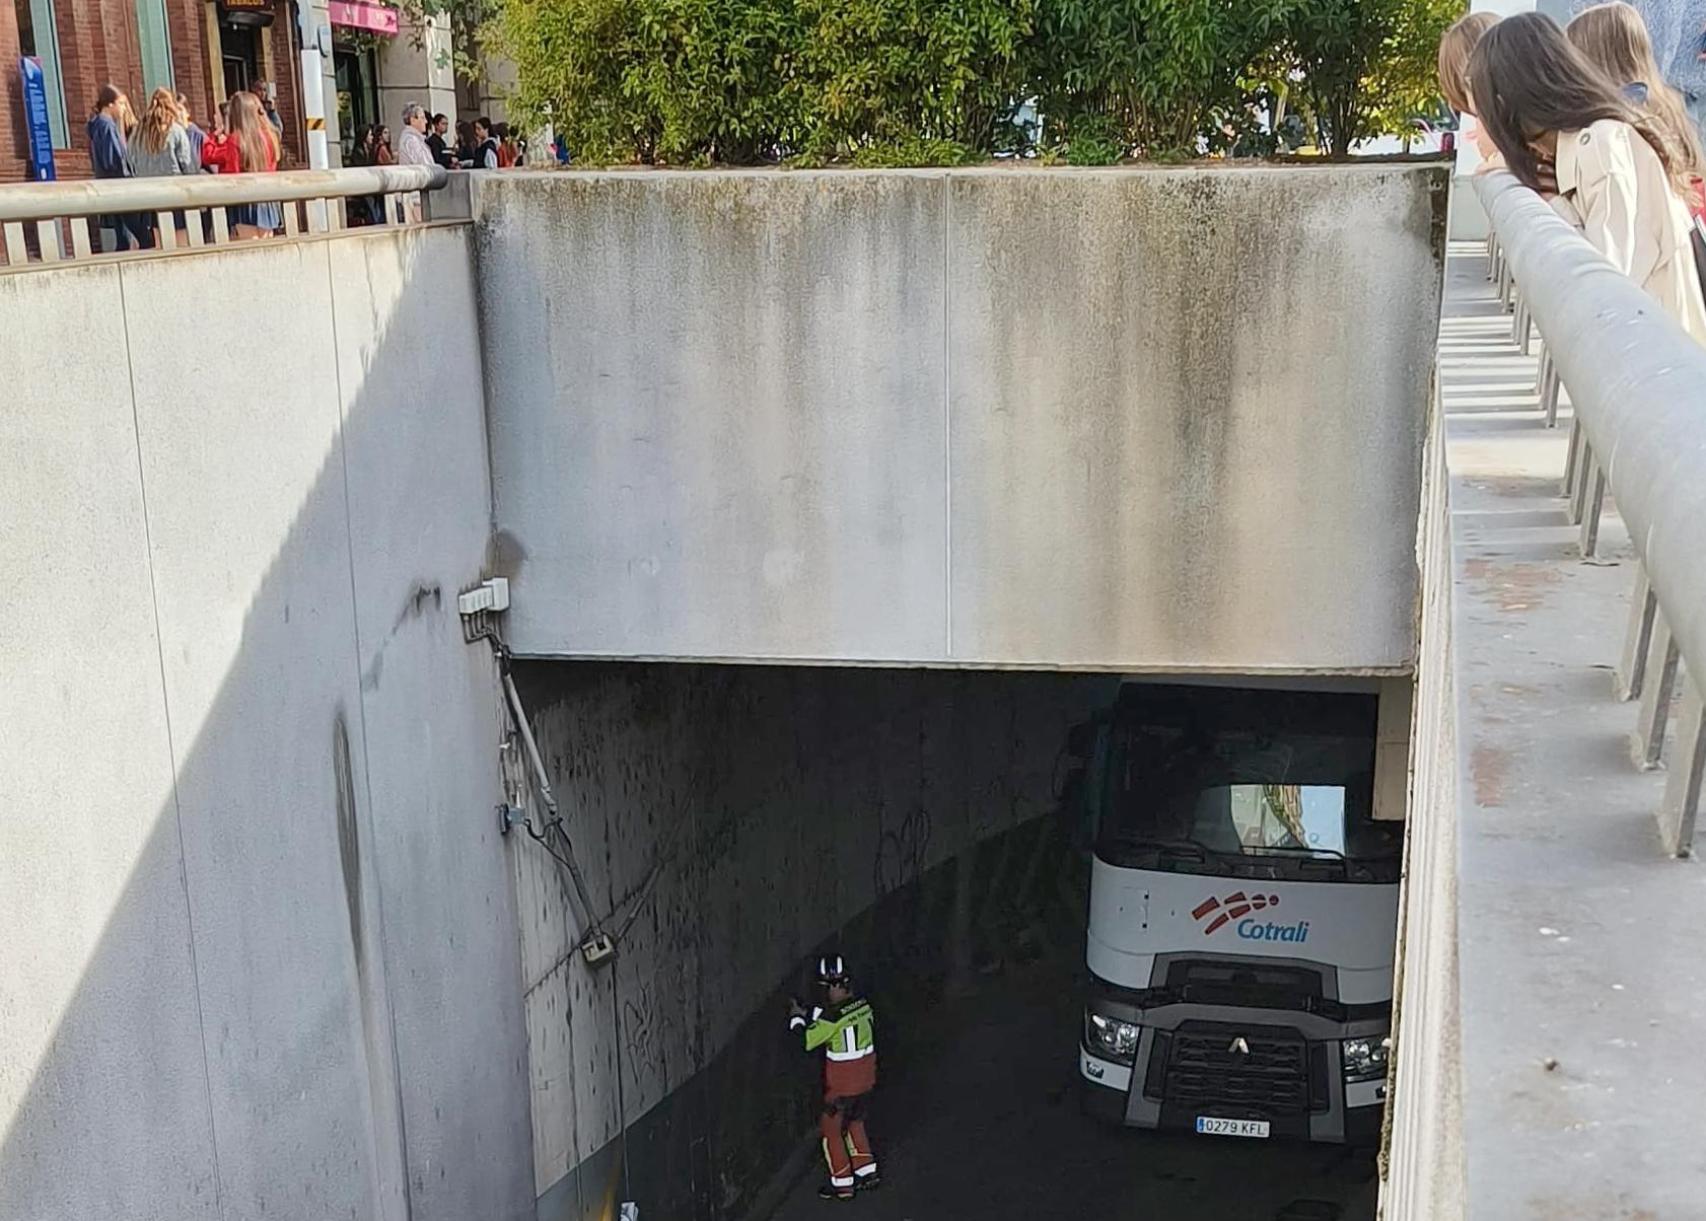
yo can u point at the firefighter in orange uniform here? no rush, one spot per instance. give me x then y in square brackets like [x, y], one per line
[845, 1028]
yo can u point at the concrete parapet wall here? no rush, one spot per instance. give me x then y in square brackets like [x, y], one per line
[1134, 419]
[1423, 1164]
[259, 939]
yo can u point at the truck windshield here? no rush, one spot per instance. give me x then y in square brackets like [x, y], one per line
[1252, 783]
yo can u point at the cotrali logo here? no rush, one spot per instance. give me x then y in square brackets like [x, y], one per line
[1225, 911]
[1216, 914]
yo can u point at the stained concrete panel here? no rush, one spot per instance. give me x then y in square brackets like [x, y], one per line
[419, 521]
[334, 738]
[1133, 419]
[250, 548]
[717, 411]
[1187, 414]
[99, 1038]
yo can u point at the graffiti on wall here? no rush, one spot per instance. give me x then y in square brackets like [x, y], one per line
[901, 850]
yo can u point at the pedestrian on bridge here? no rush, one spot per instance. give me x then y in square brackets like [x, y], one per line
[1568, 132]
[1455, 49]
[844, 1028]
[1614, 39]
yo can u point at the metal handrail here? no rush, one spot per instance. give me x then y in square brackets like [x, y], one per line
[104, 196]
[1637, 382]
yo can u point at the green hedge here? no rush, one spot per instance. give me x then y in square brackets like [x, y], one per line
[909, 82]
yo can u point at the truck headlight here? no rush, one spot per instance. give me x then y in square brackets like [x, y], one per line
[1365, 1057]
[1110, 1036]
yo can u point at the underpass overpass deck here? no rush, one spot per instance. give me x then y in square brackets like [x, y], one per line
[1090, 419]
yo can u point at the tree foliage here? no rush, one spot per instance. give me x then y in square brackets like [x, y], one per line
[881, 82]
[1366, 67]
[1145, 76]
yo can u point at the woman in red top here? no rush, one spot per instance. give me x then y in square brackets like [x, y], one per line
[250, 148]
[213, 145]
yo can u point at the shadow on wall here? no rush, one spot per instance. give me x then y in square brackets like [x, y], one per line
[259, 941]
[737, 820]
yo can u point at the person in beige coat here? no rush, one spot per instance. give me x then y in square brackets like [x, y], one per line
[1565, 130]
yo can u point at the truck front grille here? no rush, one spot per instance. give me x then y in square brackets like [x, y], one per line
[1206, 1066]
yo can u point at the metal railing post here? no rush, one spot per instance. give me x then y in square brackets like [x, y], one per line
[1572, 463]
[1681, 804]
[1632, 665]
[1550, 384]
[1658, 686]
[1593, 507]
[1579, 492]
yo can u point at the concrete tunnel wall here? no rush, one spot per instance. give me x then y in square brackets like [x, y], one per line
[779, 805]
[1150, 419]
[259, 943]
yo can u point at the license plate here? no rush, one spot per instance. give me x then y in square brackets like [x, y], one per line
[1208, 1125]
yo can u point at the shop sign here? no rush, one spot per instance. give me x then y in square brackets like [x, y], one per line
[35, 119]
[361, 15]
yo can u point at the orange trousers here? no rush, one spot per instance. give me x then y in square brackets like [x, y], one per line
[846, 1146]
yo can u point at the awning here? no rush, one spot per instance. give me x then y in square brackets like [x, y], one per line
[360, 15]
[249, 13]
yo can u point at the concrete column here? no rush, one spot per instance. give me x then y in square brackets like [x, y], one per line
[496, 86]
[1392, 749]
[320, 16]
[497, 83]
[415, 66]
[215, 58]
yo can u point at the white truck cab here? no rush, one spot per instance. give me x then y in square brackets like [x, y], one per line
[1243, 914]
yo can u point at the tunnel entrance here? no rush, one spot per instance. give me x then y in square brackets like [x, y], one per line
[1010, 863]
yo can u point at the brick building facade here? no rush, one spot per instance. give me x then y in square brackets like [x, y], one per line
[208, 45]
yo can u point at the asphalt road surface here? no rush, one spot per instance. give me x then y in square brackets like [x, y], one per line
[988, 1127]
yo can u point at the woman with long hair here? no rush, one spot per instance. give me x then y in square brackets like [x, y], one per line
[126, 115]
[1614, 39]
[1455, 48]
[1565, 130]
[160, 148]
[250, 148]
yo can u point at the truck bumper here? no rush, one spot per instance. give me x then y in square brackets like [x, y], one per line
[1106, 1093]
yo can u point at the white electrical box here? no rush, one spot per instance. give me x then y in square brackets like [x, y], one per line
[492, 595]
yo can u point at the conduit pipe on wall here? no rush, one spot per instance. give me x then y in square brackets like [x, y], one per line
[597, 946]
[479, 608]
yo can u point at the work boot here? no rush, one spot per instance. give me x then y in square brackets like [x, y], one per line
[867, 1182]
[829, 1191]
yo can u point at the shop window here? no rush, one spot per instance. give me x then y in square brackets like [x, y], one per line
[39, 36]
[156, 42]
[358, 91]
